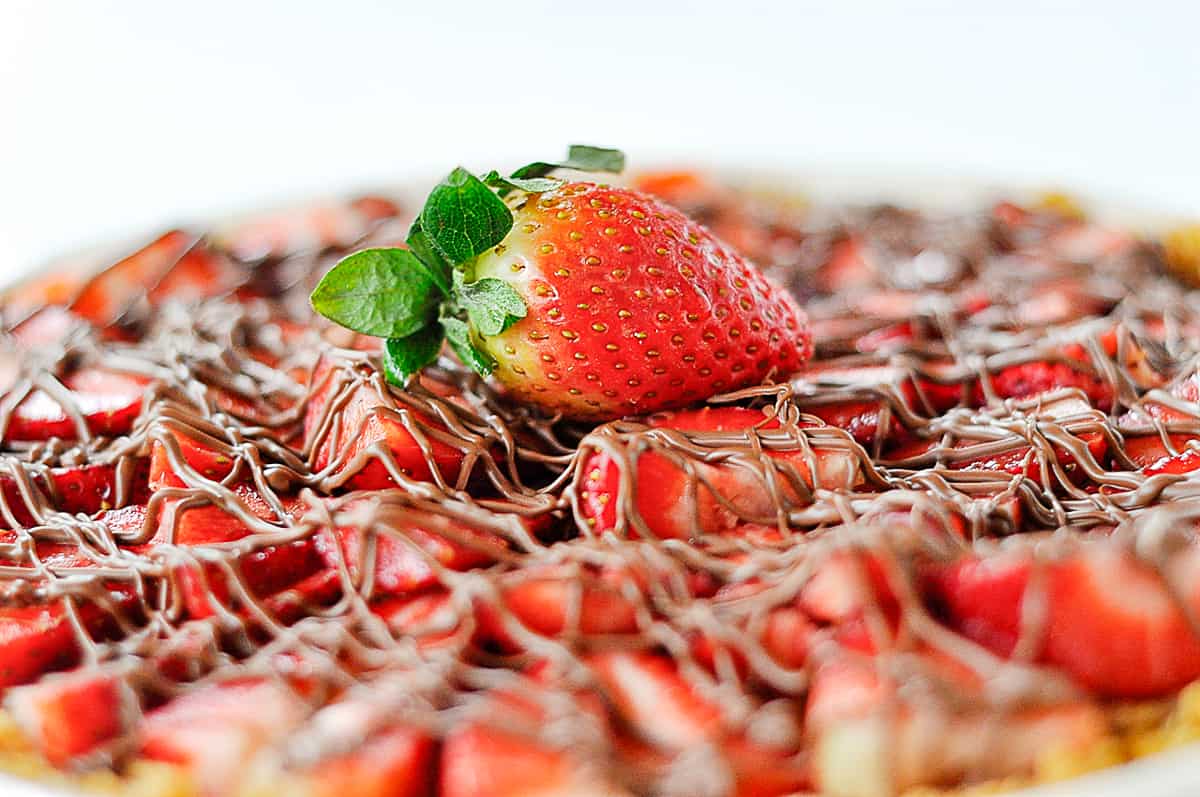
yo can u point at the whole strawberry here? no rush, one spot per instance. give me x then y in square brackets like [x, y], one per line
[592, 301]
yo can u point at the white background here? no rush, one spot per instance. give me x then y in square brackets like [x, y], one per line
[115, 117]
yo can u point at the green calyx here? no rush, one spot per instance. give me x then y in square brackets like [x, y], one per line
[419, 296]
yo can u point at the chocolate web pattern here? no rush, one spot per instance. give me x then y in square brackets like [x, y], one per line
[915, 438]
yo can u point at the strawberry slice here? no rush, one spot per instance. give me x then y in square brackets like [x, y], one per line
[200, 273]
[215, 730]
[352, 423]
[50, 325]
[87, 489]
[1029, 379]
[654, 699]
[728, 491]
[263, 571]
[409, 552]
[209, 457]
[976, 452]
[38, 638]
[397, 762]
[34, 640]
[110, 293]
[540, 601]
[871, 392]
[851, 591]
[1110, 622]
[72, 715]
[481, 761]
[107, 402]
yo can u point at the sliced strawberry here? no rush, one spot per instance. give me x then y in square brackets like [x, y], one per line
[215, 730]
[51, 325]
[107, 295]
[871, 392]
[87, 489]
[983, 598]
[263, 571]
[541, 600]
[655, 700]
[849, 266]
[851, 592]
[198, 274]
[71, 715]
[762, 772]
[108, 403]
[1029, 379]
[429, 618]
[408, 555]
[481, 761]
[34, 640]
[206, 455]
[351, 426]
[978, 453]
[788, 636]
[1110, 622]
[664, 499]
[1185, 461]
[302, 598]
[394, 763]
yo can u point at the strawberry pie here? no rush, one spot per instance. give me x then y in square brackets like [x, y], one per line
[564, 484]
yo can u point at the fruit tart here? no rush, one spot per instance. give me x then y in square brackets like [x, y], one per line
[569, 484]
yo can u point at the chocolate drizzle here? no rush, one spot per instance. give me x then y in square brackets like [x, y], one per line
[922, 327]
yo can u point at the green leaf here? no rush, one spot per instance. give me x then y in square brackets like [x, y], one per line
[403, 357]
[533, 185]
[492, 305]
[439, 269]
[581, 157]
[594, 159]
[387, 293]
[463, 218]
[458, 335]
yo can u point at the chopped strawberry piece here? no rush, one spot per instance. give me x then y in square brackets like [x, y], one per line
[363, 425]
[428, 617]
[69, 716]
[480, 761]
[109, 294]
[51, 325]
[1016, 459]
[203, 454]
[983, 597]
[87, 489]
[1185, 461]
[1110, 622]
[215, 730]
[408, 555]
[541, 601]
[1029, 379]
[395, 763]
[198, 274]
[34, 640]
[668, 506]
[845, 591]
[264, 571]
[788, 636]
[875, 391]
[655, 700]
[108, 403]
[848, 267]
